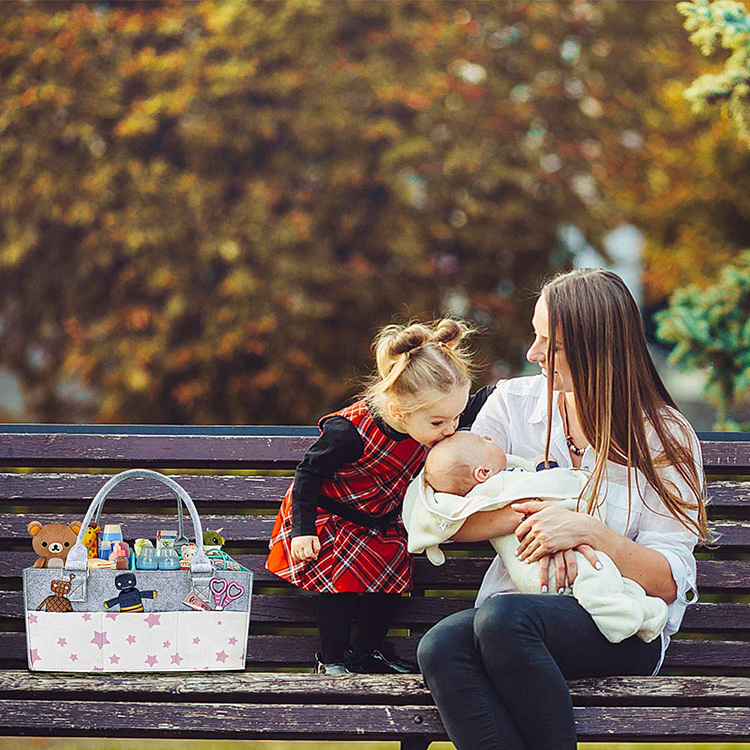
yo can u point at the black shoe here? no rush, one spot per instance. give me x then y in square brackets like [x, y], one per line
[330, 669]
[381, 660]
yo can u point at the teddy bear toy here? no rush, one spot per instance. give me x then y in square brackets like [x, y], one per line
[57, 602]
[52, 542]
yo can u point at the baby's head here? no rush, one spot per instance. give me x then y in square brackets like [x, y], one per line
[461, 461]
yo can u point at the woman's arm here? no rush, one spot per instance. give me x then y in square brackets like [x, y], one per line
[487, 525]
[645, 566]
[550, 529]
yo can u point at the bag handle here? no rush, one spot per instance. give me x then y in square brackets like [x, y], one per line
[181, 538]
[77, 559]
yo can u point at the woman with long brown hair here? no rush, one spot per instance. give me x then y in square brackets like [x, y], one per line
[497, 672]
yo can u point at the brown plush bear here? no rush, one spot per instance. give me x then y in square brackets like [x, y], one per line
[53, 542]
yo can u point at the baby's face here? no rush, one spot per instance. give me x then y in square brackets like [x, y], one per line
[461, 461]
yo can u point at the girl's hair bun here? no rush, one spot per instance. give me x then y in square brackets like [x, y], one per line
[409, 338]
[415, 361]
[450, 332]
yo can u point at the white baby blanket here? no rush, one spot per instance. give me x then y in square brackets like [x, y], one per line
[620, 607]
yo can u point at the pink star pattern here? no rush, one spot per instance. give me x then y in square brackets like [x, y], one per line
[74, 657]
[196, 641]
[166, 644]
[34, 655]
[114, 659]
[232, 641]
[131, 639]
[111, 615]
[152, 620]
[176, 659]
[86, 617]
[222, 656]
[62, 642]
[151, 660]
[99, 639]
[32, 617]
[219, 622]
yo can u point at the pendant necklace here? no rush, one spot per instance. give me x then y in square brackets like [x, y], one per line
[571, 445]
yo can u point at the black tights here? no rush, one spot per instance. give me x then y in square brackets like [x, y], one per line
[336, 613]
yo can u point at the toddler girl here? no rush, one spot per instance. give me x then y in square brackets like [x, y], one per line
[339, 529]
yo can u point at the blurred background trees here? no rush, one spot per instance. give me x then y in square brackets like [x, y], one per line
[710, 325]
[207, 209]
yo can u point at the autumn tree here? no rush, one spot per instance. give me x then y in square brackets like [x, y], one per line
[209, 208]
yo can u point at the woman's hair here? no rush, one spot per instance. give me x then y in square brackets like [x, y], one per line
[419, 363]
[617, 390]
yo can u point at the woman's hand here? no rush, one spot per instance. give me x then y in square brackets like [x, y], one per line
[566, 567]
[548, 528]
[305, 548]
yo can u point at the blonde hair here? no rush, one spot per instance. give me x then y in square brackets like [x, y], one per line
[418, 363]
[618, 391]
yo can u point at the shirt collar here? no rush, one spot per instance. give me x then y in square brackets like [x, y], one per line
[540, 410]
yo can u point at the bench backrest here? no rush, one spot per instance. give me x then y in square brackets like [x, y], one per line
[237, 477]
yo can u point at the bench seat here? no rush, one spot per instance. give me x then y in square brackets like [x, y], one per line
[237, 477]
[294, 706]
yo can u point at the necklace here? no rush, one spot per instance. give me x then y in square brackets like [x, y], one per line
[571, 445]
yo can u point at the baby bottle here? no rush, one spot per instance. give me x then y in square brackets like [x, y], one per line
[169, 559]
[147, 559]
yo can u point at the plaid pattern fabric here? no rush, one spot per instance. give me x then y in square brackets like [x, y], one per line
[354, 558]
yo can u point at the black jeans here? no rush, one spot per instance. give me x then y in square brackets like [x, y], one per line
[497, 673]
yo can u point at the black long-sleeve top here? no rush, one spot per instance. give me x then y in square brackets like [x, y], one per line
[340, 443]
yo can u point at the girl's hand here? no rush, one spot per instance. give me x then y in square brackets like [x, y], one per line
[548, 528]
[305, 548]
[566, 568]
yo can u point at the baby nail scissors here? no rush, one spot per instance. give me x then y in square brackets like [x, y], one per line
[225, 591]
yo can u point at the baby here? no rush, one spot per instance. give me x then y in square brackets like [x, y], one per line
[466, 473]
[460, 462]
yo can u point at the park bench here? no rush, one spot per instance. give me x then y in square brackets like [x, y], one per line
[50, 473]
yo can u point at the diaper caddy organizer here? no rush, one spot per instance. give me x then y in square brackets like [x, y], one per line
[80, 619]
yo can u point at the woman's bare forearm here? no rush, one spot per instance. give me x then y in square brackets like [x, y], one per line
[488, 524]
[645, 566]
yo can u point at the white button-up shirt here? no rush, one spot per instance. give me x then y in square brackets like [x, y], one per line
[515, 416]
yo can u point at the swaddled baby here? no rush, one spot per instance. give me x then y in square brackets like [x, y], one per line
[466, 473]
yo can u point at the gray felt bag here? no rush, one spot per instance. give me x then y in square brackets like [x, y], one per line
[157, 631]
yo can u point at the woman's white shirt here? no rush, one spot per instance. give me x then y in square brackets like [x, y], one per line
[515, 416]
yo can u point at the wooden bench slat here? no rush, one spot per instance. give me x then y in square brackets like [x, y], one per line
[257, 492]
[48, 487]
[290, 721]
[270, 687]
[731, 576]
[726, 456]
[424, 611]
[65, 449]
[734, 534]
[151, 451]
[297, 650]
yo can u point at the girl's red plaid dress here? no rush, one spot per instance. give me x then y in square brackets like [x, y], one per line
[352, 557]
